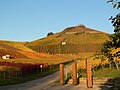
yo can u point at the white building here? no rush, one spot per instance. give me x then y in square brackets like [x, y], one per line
[6, 57]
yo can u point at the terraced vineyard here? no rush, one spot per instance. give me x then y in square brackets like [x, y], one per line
[71, 41]
[18, 51]
[26, 55]
[9, 50]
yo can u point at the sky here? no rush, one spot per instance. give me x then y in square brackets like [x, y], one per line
[28, 20]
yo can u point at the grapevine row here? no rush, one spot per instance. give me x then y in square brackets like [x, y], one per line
[66, 49]
[8, 69]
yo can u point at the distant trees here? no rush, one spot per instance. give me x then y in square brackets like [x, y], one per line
[50, 33]
[82, 25]
[70, 28]
[114, 42]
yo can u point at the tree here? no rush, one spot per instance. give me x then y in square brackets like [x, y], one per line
[50, 33]
[114, 41]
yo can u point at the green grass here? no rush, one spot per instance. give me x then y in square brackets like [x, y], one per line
[107, 72]
[30, 77]
[103, 72]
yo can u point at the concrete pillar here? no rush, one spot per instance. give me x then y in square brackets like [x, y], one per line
[74, 73]
[89, 74]
[62, 74]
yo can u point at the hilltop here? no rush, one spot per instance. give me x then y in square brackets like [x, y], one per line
[72, 40]
[79, 29]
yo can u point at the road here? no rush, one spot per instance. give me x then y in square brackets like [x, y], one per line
[38, 84]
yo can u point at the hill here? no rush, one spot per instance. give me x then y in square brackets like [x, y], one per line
[72, 40]
[17, 50]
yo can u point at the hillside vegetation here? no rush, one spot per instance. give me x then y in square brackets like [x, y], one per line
[72, 40]
[18, 51]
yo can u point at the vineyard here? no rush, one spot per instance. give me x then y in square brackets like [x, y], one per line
[66, 49]
[70, 41]
[10, 70]
[20, 52]
[9, 50]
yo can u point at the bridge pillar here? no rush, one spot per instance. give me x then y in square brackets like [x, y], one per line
[62, 74]
[89, 74]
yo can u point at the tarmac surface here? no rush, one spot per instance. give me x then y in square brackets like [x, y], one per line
[49, 83]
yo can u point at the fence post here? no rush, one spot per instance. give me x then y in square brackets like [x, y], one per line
[62, 74]
[74, 73]
[89, 74]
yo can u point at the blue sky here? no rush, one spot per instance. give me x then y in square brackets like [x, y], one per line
[27, 20]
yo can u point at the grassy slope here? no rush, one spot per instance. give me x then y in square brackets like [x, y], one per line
[17, 45]
[73, 35]
[87, 42]
[6, 49]
[50, 40]
[104, 72]
[107, 72]
[90, 38]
